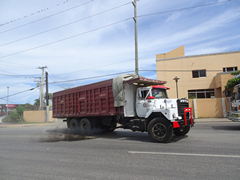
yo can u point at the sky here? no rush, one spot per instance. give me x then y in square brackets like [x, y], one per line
[85, 41]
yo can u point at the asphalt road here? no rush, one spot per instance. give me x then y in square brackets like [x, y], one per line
[209, 151]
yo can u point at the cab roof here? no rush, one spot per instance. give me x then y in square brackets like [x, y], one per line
[145, 82]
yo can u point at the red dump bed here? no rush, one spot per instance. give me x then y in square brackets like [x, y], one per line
[88, 100]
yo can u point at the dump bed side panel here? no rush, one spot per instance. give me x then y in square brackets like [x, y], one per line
[89, 100]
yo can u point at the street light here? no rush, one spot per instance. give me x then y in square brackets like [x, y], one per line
[176, 80]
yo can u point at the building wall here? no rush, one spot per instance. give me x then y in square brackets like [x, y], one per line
[182, 67]
[37, 116]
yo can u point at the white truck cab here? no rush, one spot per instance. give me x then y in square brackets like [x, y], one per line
[155, 99]
[149, 109]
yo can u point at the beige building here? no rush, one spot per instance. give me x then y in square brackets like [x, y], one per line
[201, 76]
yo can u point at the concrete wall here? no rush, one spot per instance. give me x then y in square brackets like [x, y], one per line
[37, 116]
[209, 108]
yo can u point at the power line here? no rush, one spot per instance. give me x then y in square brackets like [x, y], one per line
[101, 66]
[54, 80]
[91, 77]
[17, 64]
[183, 8]
[65, 38]
[22, 66]
[96, 67]
[68, 81]
[65, 25]
[46, 17]
[19, 92]
[13, 74]
[39, 11]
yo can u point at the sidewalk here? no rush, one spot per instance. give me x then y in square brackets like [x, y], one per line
[201, 120]
[21, 125]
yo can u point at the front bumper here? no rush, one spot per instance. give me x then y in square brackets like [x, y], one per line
[187, 119]
[234, 117]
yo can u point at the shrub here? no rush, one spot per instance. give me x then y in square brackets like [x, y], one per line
[16, 116]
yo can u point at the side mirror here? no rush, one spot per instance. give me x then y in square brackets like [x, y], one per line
[150, 97]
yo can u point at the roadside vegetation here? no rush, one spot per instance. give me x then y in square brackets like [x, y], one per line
[233, 82]
[16, 115]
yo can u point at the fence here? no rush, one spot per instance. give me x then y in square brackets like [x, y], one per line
[210, 108]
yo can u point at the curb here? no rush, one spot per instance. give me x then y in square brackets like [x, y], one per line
[212, 120]
[22, 125]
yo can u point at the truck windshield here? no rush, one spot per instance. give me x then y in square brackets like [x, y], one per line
[159, 93]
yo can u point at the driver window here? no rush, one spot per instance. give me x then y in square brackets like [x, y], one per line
[145, 93]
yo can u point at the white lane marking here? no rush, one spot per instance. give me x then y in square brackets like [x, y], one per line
[184, 154]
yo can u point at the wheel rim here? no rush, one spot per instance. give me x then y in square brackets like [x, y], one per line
[84, 125]
[73, 125]
[159, 130]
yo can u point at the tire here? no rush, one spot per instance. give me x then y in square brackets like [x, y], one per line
[73, 125]
[85, 124]
[184, 131]
[160, 130]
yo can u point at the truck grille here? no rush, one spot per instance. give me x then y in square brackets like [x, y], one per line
[182, 103]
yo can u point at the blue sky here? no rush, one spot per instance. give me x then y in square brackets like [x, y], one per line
[76, 40]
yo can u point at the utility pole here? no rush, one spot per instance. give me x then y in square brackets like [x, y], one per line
[7, 101]
[136, 36]
[41, 88]
[47, 107]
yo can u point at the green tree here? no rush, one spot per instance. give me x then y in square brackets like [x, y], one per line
[233, 82]
[37, 101]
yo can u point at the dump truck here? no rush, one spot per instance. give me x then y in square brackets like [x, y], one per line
[127, 101]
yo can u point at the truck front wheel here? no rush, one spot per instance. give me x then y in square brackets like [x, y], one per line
[160, 130]
[182, 132]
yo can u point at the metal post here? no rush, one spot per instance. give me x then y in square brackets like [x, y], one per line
[176, 79]
[7, 101]
[177, 88]
[47, 107]
[136, 36]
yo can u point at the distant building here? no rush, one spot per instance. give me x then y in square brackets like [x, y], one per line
[3, 108]
[201, 76]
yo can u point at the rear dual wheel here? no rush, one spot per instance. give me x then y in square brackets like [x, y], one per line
[82, 125]
[85, 124]
[160, 130]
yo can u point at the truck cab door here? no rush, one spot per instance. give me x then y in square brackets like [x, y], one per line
[141, 102]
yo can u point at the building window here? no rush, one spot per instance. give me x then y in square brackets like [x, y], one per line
[230, 69]
[201, 93]
[199, 73]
